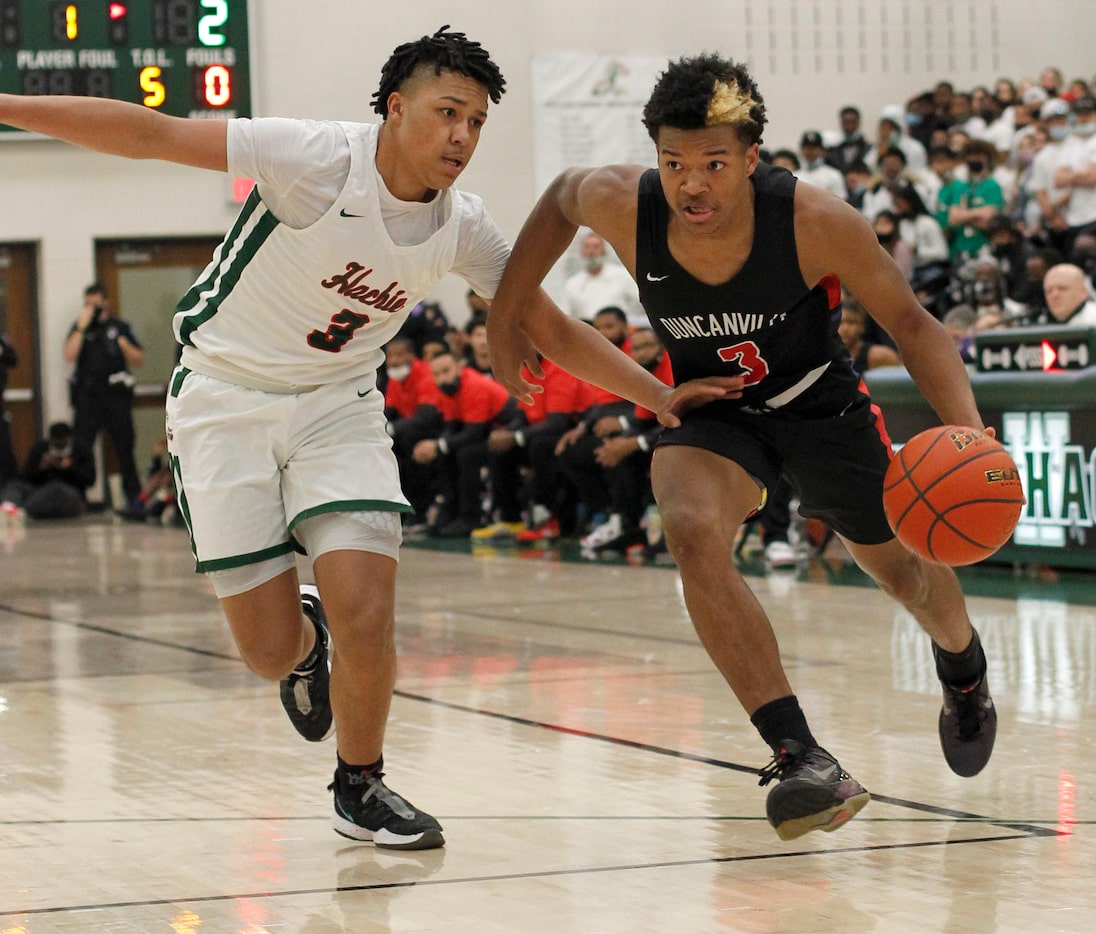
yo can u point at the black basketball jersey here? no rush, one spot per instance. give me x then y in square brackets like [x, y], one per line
[764, 323]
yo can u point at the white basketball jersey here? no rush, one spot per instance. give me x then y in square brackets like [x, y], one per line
[284, 309]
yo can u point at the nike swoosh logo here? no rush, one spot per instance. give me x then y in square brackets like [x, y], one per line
[362, 395]
[343, 213]
[651, 278]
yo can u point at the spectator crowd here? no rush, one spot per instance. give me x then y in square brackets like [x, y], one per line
[985, 198]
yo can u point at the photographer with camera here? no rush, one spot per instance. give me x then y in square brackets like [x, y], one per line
[54, 480]
[104, 349]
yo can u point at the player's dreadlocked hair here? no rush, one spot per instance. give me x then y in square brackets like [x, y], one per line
[703, 91]
[451, 51]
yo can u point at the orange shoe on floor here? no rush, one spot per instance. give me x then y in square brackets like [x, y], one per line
[546, 531]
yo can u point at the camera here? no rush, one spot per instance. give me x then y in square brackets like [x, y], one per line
[97, 314]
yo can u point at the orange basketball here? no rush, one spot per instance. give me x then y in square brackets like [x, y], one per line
[953, 495]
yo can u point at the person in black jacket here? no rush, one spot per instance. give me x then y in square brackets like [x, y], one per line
[104, 349]
[55, 478]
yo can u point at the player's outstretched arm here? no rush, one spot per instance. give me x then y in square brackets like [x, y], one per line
[520, 307]
[119, 128]
[523, 319]
[694, 393]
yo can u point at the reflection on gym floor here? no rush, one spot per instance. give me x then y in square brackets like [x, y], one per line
[591, 769]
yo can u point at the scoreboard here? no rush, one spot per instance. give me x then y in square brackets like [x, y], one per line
[187, 58]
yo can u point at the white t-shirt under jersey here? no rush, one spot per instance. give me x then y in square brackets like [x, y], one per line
[323, 264]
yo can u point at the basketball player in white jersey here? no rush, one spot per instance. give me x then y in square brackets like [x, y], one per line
[276, 429]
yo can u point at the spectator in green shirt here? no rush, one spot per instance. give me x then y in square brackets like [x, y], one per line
[965, 207]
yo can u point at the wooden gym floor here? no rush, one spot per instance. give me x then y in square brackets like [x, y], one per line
[592, 771]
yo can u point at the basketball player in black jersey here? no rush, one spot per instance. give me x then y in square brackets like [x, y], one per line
[740, 271]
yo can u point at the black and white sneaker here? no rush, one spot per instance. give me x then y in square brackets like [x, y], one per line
[814, 793]
[368, 810]
[306, 694]
[968, 727]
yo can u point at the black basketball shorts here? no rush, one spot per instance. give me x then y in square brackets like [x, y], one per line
[836, 465]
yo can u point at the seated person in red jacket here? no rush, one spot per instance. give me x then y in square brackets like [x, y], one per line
[613, 325]
[413, 406]
[526, 451]
[618, 462]
[471, 405]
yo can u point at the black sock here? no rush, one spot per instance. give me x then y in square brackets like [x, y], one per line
[961, 669]
[346, 771]
[781, 720]
[313, 658]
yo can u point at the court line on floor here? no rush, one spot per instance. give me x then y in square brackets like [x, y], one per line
[709, 760]
[119, 633]
[536, 724]
[505, 877]
[1024, 830]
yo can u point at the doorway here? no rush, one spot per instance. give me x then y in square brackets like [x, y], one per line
[19, 324]
[145, 279]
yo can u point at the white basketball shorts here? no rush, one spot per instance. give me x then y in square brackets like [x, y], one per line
[250, 465]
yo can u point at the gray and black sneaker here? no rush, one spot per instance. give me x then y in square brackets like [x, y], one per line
[968, 727]
[305, 694]
[368, 810]
[814, 793]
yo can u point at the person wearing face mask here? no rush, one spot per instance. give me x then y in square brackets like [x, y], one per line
[857, 181]
[814, 168]
[1084, 255]
[965, 206]
[1012, 251]
[1077, 173]
[1046, 183]
[599, 284]
[986, 294]
[891, 134]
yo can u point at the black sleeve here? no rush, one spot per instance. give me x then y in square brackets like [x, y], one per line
[463, 433]
[426, 422]
[31, 471]
[556, 422]
[127, 332]
[8, 357]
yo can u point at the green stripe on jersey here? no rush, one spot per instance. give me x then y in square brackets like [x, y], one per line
[229, 275]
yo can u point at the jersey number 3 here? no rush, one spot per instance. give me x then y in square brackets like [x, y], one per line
[339, 331]
[747, 356]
